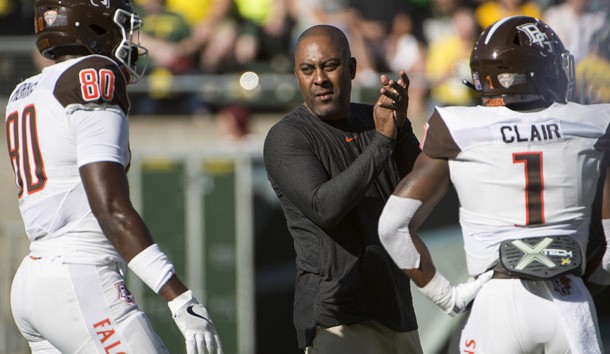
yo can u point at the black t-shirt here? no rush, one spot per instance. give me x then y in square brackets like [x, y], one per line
[332, 180]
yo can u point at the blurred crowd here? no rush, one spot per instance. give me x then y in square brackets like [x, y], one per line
[430, 39]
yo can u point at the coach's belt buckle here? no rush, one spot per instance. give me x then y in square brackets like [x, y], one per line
[541, 257]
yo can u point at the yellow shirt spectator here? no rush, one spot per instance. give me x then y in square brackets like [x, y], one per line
[193, 11]
[257, 11]
[448, 62]
[5, 8]
[492, 10]
[593, 79]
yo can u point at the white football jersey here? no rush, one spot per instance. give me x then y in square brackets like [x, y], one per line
[520, 174]
[71, 114]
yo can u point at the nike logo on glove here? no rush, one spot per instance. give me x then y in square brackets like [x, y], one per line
[349, 139]
[191, 312]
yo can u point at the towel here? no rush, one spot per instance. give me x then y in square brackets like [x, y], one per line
[577, 310]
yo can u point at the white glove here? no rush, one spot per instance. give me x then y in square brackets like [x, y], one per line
[454, 299]
[195, 324]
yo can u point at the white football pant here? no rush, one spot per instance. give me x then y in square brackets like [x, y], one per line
[79, 308]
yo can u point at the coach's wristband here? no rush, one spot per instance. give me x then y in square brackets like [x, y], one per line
[153, 267]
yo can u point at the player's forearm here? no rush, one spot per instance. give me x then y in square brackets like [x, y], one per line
[395, 232]
[172, 288]
[108, 194]
[130, 237]
[421, 275]
[402, 243]
[411, 255]
[126, 231]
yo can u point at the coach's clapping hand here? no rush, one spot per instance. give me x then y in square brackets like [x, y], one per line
[195, 324]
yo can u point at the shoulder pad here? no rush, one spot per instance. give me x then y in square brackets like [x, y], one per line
[438, 142]
[94, 80]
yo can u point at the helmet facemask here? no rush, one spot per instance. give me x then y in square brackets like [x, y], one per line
[129, 50]
[561, 88]
[568, 67]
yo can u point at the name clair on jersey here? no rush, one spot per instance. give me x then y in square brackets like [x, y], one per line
[531, 133]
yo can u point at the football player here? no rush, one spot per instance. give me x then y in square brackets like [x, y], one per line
[525, 165]
[67, 135]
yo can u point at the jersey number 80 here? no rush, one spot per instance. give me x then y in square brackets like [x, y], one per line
[24, 150]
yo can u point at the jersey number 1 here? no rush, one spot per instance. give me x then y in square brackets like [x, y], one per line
[24, 151]
[534, 185]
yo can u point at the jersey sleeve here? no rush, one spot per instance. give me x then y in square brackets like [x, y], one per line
[93, 81]
[101, 135]
[438, 142]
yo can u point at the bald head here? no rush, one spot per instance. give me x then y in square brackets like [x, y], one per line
[332, 34]
[325, 69]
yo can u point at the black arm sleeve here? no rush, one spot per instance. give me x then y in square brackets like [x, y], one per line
[298, 174]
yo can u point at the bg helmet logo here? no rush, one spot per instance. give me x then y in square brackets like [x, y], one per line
[536, 36]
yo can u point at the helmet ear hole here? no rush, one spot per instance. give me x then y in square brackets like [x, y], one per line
[97, 29]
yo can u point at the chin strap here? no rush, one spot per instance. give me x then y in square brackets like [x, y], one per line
[516, 102]
[469, 84]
